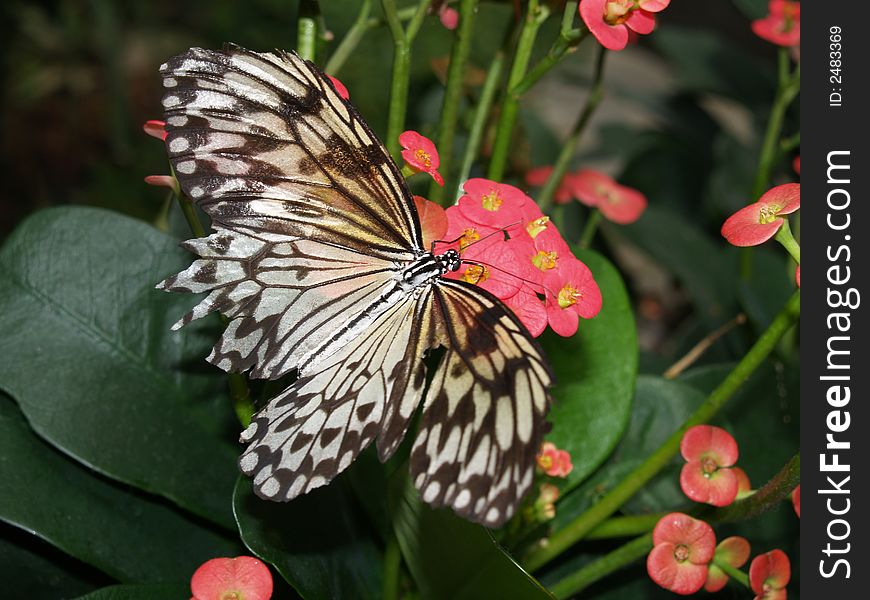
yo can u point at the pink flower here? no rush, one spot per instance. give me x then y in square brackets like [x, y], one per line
[553, 461]
[796, 164]
[167, 181]
[755, 224]
[339, 87]
[682, 549]
[732, 551]
[433, 219]
[242, 578]
[705, 477]
[571, 293]
[156, 129]
[544, 507]
[494, 204]
[782, 26]
[538, 176]
[769, 573]
[618, 203]
[421, 155]
[796, 500]
[797, 275]
[529, 309]
[611, 21]
[449, 17]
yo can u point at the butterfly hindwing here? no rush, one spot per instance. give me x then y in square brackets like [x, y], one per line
[483, 417]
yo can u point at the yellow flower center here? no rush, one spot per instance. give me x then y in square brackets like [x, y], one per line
[617, 12]
[492, 201]
[768, 213]
[709, 466]
[423, 157]
[569, 295]
[545, 260]
[475, 274]
[537, 226]
[469, 236]
[231, 596]
[545, 461]
[681, 553]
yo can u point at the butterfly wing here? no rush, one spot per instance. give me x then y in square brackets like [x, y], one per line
[484, 414]
[316, 427]
[263, 141]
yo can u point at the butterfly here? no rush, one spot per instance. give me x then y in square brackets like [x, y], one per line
[318, 262]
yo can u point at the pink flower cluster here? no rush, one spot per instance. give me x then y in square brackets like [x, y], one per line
[509, 248]
[617, 203]
[782, 25]
[613, 22]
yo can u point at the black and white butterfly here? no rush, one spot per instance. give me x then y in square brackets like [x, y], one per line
[317, 259]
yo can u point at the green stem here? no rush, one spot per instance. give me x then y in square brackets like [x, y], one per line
[764, 499]
[568, 40]
[625, 526]
[392, 562]
[732, 572]
[351, 39]
[583, 524]
[545, 196]
[401, 69]
[306, 37]
[453, 97]
[590, 228]
[784, 237]
[607, 564]
[481, 115]
[510, 105]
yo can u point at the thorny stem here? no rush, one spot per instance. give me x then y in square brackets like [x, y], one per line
[584, 523]
[510, 105]
[351, 39]
[306, 39]
[545, 197]
[568, 40]
[402, 39]
[453, 96]
[775, 491]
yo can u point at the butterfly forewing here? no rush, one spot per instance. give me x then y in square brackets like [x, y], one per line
[317, 260]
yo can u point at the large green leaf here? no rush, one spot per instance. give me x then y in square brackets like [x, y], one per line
[124, 535]
[318, 542]
[155, 591]
[595, 375]
[450, 557]
[30, 568]
[88, 354]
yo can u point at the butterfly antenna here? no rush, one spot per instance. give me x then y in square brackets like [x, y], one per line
[501, 230]
[531, 283]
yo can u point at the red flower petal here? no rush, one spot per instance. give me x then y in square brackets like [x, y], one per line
[538, 176]
[433, 219]
[245, 575]
[680, 577]
[681, 529]
[339, 87]
[493, 204]
[167, 181]
[572, 292]
[718, 488]
[797, 276]
[758, 222]
[744, 487]
[782, 26]
[612, 37]
[771, 570]
[618, 203]
[449, 17]
[796, 164]
[703, 441]
[641, 21]
[529, 309]
[796, 500]
[787, 197]
[156, 129]
[420, 154]
[654, 6]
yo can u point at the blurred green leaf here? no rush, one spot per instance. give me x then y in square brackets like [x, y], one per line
[595, 373]
[318, 542]
[450, 557]
[32, 569]
[140, 592]
[126, 536]
[770, 286]
[90, 358]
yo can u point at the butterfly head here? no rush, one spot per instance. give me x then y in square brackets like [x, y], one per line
[450, 260]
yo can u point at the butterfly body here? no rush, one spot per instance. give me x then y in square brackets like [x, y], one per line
[318, 262]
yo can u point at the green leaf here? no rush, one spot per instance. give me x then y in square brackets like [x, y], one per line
[595, 375]
[30, 568]
[317, 541]
[156, 591]
[89, 356]
[124, 535]
[450, 557]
